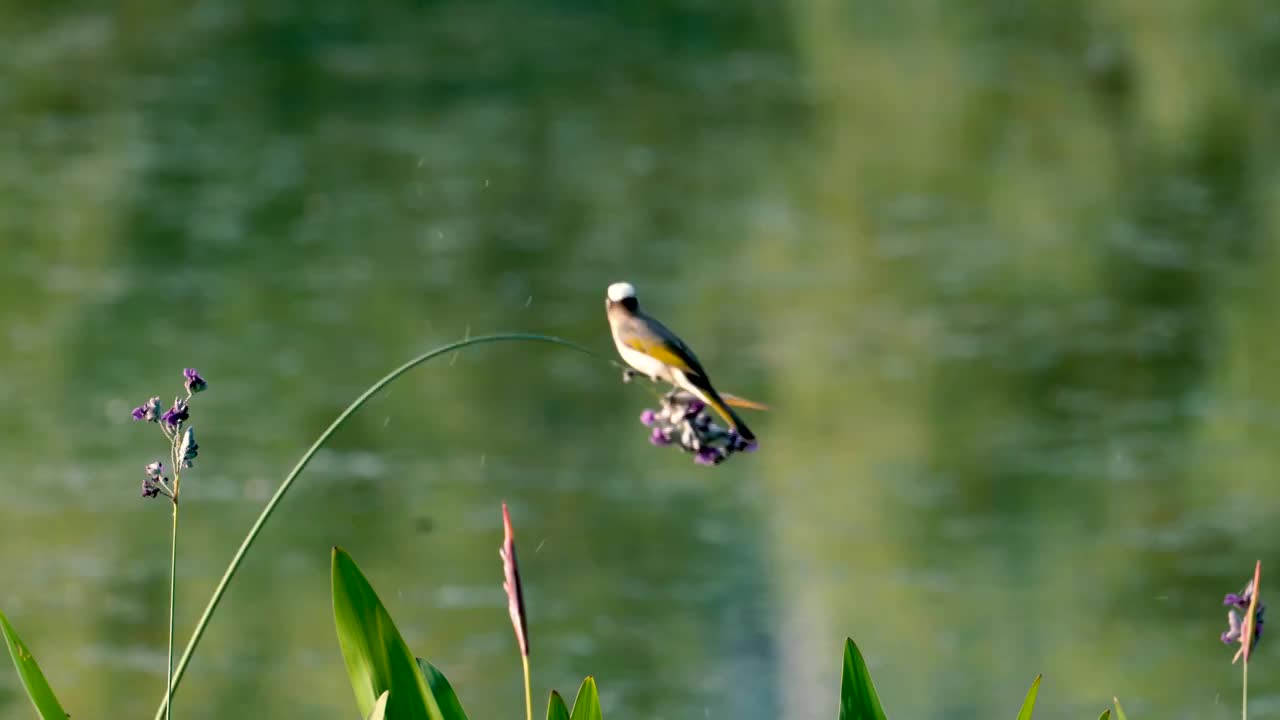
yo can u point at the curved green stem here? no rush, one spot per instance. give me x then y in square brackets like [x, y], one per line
[270, 507]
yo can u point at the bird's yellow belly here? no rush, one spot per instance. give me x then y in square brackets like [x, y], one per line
[645, 364]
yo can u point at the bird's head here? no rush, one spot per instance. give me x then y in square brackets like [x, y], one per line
[622, 293]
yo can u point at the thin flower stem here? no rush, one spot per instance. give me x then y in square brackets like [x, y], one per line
[270, 507]
[1244, 698]
[173, 568]
[528, 693]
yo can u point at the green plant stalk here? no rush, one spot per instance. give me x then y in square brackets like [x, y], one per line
[1244, 685]
[528, 694]
[173, 583]
[1248, 628]
[270, 507]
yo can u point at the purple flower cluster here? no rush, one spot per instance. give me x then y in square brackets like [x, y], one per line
[1239, 604]
[155, 483]
[684, 421]
[149, 411]
[176, 415]
[182, 437]
[193, 382]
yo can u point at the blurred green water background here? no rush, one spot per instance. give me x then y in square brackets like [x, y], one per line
[1006, 270]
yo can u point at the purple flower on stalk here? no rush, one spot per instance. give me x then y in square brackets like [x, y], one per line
[511, 583]
[193, 382]
[685, 421]
[155, 483]
[183, 448]
[1244, 619]
[694, 409]
[709, 456]
[177, 414]
[149, 411]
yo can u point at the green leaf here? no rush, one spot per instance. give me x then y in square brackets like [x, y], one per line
[858, 699]
[587, 705]
[376, 655]
[380, 707]
[29, 672]
[1106, 715]
[1119, 710]
[556, 709]
[1030, 703]
[443, 692]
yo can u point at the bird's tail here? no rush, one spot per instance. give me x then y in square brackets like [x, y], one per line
[709, 395]
[730, 416]
[741, 402]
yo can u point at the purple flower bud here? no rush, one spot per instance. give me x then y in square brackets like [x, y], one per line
[154, 485]
[155, 469]
[193, 382]
[1239, 604]
[684, 421]
[1234, 628]
[177, 414]
[149, 411]
[708, 456]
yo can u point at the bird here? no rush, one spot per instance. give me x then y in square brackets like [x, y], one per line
[653, 350]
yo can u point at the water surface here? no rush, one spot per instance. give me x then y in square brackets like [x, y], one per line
[1007, 274]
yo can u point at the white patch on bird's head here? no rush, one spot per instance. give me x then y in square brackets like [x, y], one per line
[620, 291]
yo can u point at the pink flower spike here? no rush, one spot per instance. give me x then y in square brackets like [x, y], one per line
[515, 594]
[1248, 627]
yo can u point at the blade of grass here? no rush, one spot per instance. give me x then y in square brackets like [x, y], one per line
[446, 698]
[1029, 704]
[1119, 710]
[380, 707]
[858, 699]
[32, 678]
[376, 656]
[1106, 715]
[587, 705]
[269, 509]
[556, 709]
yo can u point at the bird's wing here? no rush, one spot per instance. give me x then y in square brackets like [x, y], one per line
[664, 352]
[657, 341]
